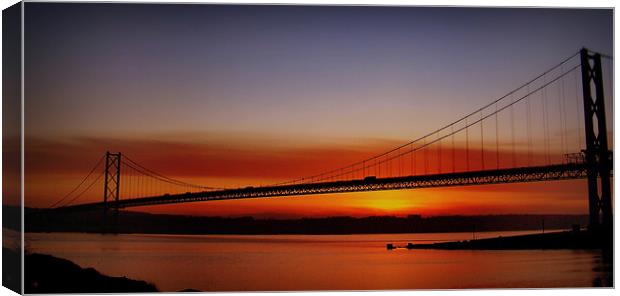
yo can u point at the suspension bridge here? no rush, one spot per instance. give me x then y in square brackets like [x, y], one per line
[552, 127]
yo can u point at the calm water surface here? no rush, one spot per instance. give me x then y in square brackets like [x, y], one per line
[316, 262]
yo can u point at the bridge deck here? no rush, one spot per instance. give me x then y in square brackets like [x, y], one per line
[512, 175]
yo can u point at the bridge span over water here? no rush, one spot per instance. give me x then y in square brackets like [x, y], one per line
[510, 140]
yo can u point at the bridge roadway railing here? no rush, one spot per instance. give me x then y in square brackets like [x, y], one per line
[497, 176]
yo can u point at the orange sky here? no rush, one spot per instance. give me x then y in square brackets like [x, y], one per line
[565, 197]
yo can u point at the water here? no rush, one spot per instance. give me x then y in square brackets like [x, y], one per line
[316, 262]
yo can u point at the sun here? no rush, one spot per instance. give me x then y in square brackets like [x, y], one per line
[390, 201]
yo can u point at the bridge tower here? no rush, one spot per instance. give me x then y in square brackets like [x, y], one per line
[111, 187]
[597, 154]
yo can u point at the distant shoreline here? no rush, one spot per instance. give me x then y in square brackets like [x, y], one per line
[136, 222]
[309, 234]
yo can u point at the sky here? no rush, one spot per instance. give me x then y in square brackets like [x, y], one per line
[231, 95]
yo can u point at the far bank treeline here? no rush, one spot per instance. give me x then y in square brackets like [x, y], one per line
[136, 222]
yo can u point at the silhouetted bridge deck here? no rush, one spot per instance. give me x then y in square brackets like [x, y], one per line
[510, 175]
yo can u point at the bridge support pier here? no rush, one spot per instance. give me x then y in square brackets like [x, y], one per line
[111, 189]
[597, 154]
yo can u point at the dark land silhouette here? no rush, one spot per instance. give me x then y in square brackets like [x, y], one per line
[49, 274]
[10, 262]
[38, 220]
[11, 217]
[576, 239]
